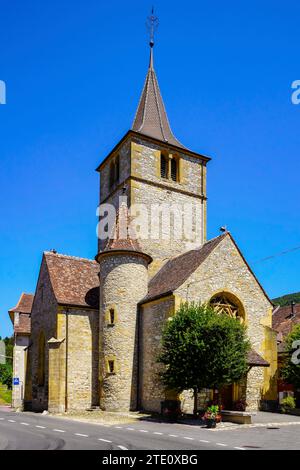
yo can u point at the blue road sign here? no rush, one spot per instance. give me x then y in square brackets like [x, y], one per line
[16, 381]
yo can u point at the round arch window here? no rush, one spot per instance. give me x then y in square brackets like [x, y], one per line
[227, 304]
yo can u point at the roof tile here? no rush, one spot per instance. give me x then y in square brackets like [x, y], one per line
[74, 280]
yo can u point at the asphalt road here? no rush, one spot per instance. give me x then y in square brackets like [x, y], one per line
[37, 432]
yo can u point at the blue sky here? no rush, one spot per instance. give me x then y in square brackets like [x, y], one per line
[74, 71]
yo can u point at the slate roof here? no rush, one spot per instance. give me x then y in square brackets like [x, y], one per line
[74, 280]
[23, 307]
[177, 270]
[151, 117]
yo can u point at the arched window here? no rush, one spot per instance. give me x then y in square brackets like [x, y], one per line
[227, 304]
[41, 359]
[163, 166]
[174, 169]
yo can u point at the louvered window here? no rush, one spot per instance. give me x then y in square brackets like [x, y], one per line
[174, 169]
[163, 167]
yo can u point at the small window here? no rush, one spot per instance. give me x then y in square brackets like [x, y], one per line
[112, 316]
[163, 166]
[111, 366]
[174, 169]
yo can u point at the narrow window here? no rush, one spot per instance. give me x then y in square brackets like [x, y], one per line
[111, 366]
[163, 166]
[174, 169]
[117, 168]
[112, 316]
[111, 175]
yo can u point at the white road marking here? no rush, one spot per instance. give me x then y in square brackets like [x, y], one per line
[220, 444]
[41, 427]
[173, 435]
[143, 430]
[130, 429]
[119, 427]
[1, 419]
[189, 438]
[24, 424]
[81, 435]
[11, 421]
[239, 448]
[105, 440]
[158, 433]
[122, 448]
[203, 440]
[58, 430]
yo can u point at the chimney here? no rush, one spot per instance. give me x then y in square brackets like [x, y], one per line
[293, 313]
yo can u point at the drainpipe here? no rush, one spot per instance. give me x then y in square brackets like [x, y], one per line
[67, 351]
[138, 359]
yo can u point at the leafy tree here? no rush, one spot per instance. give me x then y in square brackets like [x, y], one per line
[202, 349]
[9, 342]
[287, 299]
[290, 371]
[6, 375]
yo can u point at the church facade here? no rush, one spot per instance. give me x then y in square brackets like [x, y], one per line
[96, 324]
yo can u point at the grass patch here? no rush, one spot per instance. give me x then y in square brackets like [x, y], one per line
[5, 396]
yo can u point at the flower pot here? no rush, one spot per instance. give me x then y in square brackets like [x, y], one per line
[211, 423]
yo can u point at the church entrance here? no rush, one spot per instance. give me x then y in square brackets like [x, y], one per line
[224, 396]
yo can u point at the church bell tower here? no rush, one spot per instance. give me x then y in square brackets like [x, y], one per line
[157, 172]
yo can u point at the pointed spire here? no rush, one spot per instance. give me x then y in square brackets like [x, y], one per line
[151, 118]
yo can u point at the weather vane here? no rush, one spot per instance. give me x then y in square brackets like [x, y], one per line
[152, 25]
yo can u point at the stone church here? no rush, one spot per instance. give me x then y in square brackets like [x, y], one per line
[96, 324]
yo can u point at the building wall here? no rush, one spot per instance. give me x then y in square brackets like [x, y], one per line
[43, 320]
[152, 319]
[74, 373]
[20, 369]
[140, 169]
[123, 283]
[225, 271]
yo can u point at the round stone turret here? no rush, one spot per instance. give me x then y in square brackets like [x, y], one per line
[123, 284]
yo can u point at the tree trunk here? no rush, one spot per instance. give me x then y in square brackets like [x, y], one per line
[195, 401]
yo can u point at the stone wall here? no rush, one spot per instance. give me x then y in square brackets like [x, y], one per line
[125, 168]
[147, 187]
[225, 271]
[79, 329]
[43, 320]
[140, 170]
[152, 319]
[20, 364]
[123, 283]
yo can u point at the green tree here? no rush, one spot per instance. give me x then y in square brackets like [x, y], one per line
[6, 375]
[202, 349]
[290, 371]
